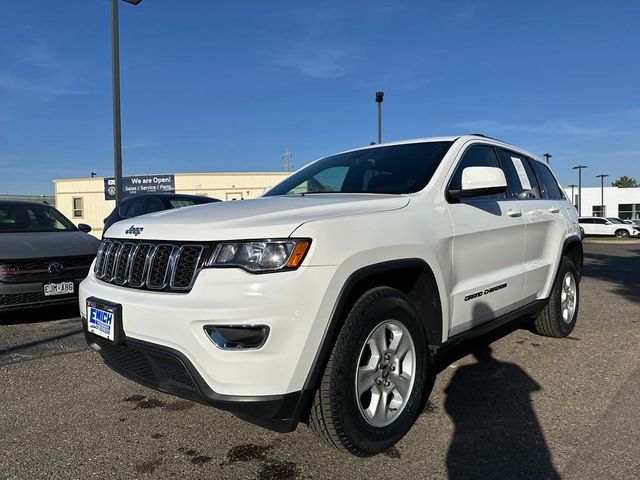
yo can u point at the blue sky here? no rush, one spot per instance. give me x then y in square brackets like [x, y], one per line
[227, 85]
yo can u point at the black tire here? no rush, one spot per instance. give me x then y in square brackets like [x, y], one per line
[550, 321]
[622, 233]
[335, 416]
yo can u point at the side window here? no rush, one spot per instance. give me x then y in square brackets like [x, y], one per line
[136, 207]
[475, 156]
[522, 180]
[585, 220]
[154, 204]
[548, 185]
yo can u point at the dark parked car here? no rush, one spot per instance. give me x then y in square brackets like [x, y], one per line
[43, 256]
[143, 204]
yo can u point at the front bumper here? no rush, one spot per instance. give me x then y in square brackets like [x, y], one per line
[18, 296]
[169, 371]
[295, 305]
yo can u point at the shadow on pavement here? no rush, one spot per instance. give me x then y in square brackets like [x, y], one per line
[497, 434]
[37, 315]
[35, 343]
[618, 267]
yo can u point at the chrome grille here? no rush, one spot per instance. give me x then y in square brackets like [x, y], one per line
[155, 266]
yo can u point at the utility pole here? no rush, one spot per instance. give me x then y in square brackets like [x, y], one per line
[115, 81]
[579, 168]
[602, 176]
[573, 197]
[379, 98]
[547, 156]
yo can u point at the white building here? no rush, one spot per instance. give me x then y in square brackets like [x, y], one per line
[618, 202]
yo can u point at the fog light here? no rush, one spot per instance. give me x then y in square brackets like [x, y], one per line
[237, 337]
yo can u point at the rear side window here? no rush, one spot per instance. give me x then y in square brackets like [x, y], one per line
[154, 205]
[523, 184]
[585, 220]
[475, 156]
[181, 202]
[122, 209]
[548, 185]
[136, 207]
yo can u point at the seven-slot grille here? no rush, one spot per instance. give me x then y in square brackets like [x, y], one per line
[154, 266]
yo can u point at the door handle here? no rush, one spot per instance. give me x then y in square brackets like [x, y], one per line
[554, 210]
[514, 213]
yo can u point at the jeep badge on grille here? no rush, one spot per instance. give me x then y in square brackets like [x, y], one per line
[133, 230]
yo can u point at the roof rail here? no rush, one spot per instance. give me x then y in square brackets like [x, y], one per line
[486, 136]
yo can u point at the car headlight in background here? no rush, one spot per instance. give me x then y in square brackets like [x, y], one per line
[258, 256]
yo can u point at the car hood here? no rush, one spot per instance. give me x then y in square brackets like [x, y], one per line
[265, 217]
[15, 246]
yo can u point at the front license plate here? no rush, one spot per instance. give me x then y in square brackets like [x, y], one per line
[101, 321]
[62, 288]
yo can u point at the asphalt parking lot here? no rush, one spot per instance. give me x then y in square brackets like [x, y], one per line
[510, 405]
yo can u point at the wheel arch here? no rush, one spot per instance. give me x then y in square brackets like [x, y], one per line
[412, 276]
[572, 249]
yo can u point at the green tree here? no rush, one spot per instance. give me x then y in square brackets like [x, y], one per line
[625, 182]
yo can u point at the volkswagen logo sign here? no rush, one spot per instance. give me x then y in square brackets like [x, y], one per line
[56, 268]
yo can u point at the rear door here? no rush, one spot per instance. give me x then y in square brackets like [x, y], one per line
[546, 229]
[488, 248]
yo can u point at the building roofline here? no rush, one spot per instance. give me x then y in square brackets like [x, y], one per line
[179, 174]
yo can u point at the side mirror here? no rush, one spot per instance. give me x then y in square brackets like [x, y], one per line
[607, 222]
[83, 227]
[480, 181]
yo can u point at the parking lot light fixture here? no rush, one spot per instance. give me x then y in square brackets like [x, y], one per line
[579, 168]
[602, 176]
[115, 78]
[379, 99]
[547, 156]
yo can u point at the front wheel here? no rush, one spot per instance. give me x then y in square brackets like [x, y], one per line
[558, 317]
[622, 233]
[372, 388]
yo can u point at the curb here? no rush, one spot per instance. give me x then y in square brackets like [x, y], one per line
[612, 241]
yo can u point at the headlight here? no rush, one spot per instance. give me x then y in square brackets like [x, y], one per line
[260, 255]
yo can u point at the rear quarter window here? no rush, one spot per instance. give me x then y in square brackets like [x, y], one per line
[548, 186]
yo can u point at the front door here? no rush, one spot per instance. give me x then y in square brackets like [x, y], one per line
[488, 263]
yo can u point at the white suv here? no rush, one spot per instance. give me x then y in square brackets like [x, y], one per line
[610, 226]
[328, 300]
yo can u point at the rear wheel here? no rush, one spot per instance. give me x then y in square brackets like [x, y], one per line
[622, 233]
[558, 317]
[374, 383]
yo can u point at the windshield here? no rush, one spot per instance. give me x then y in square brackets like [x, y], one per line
[614, 220]
[394, 169]
[32, 218]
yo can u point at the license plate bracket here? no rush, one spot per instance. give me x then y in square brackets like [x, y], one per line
[104, 319]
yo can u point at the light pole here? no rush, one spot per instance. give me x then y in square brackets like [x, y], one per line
[115, 80]
[547, 156]
[573, 197]
[379, 98]
[602, 176]
[579, 168]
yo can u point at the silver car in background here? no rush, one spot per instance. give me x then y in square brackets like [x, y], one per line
[43, 256]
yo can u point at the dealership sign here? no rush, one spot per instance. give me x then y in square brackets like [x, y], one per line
[140, 184]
